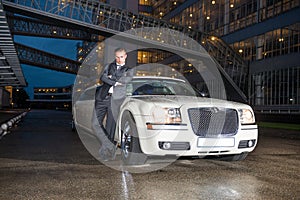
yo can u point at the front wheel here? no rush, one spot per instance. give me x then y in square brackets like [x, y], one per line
[131, 152]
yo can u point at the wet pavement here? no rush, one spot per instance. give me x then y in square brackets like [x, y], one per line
[43, 159]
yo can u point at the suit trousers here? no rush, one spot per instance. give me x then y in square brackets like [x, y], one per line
[107, 150]
[102, 108]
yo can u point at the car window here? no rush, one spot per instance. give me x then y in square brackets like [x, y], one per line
[183, 89]
[152, 89]
[159, 87]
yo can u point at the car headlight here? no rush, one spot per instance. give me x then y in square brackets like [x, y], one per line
[246, 116]
[166, 115]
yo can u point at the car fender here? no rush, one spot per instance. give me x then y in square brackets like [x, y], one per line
[136, 108]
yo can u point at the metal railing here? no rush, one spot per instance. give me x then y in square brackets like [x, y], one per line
[32, 56]
[20, 25]
[278, 109]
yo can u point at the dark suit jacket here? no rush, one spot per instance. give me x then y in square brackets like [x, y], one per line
[110, 76]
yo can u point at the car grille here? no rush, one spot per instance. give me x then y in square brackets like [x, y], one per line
[213, 122]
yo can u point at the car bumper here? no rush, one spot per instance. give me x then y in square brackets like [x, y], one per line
[181, 141]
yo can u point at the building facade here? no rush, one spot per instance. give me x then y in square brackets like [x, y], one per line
[265, 33]
[52, 97]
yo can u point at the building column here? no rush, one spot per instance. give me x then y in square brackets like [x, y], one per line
[226, 16]
[259, 47]
[260, 12]
[201, 20]
[259, 78]
[259, 93]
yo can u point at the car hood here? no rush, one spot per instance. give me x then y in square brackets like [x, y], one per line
[190, 101]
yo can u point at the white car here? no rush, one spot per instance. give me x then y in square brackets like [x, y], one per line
[163, 116]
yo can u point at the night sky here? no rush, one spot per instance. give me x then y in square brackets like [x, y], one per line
[40, 77]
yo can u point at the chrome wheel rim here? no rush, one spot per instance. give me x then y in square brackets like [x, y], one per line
[126, 139]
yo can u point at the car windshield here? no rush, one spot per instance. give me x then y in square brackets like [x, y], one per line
[159, 87]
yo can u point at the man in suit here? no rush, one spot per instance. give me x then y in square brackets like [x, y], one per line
[113, 79]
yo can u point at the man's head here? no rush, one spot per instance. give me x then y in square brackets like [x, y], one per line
[120, 55]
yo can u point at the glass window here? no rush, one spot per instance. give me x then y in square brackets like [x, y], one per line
[159, 87]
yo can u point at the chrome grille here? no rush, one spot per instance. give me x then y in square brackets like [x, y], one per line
[213, 122]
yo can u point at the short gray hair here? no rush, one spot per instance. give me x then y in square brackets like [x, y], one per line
[120, 50]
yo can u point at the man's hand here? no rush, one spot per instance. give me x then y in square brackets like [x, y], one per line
[118, 83]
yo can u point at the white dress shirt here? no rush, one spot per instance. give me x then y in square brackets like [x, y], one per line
[111, 89]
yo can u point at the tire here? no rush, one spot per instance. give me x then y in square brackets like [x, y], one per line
[236, 157]
[131, 152]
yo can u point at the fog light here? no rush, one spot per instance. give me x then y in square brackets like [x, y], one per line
[246, 143]
[166, 145]
[250, 143]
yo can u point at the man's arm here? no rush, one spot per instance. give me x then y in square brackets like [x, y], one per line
[106, 78]
[127, 77]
